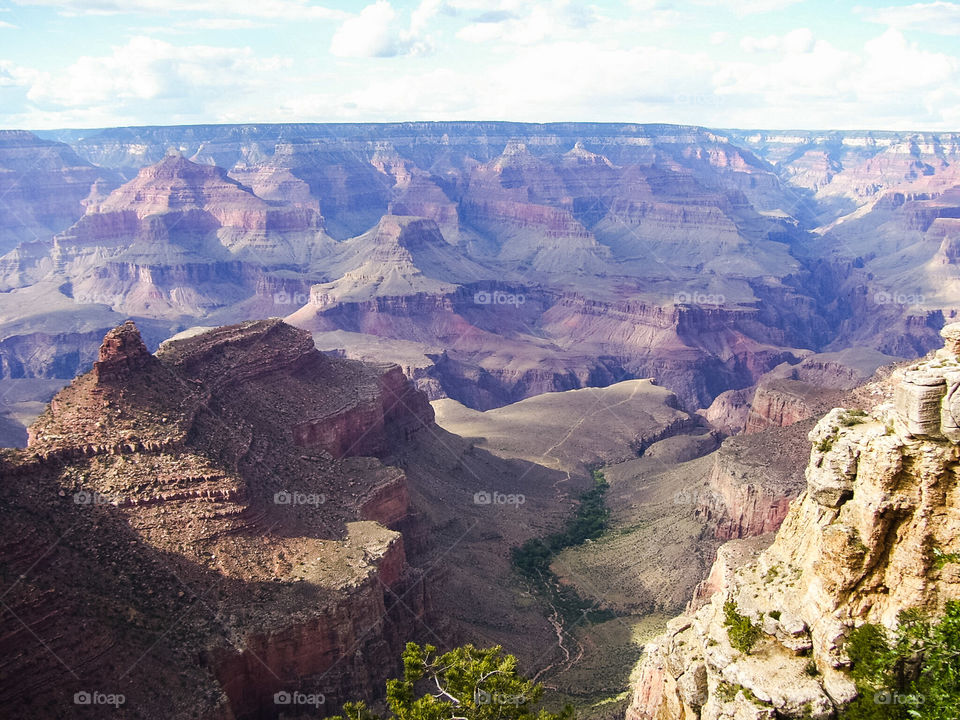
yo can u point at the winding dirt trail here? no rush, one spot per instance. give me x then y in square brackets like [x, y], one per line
[570, 659]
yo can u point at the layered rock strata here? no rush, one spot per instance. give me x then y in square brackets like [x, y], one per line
[215, 557]
[859, 545]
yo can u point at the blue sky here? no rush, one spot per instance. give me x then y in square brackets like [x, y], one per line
[722, 63]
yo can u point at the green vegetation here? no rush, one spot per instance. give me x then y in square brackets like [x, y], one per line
[743, 634]
[468, 683]
[532, 559]
[848, 418]
[728, 691]
[940, 558]
[811, 669]
[853, 417]
[775, 614]
[912, 672]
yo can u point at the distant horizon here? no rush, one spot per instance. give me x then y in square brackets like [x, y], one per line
[771, 64]
[914, 131]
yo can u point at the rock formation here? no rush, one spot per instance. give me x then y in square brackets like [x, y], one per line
[45, 187]
[641, 250]
[121, 353]
[752, 482]
[231, 537]
[859, 545]
[793, 392]
[179, 239]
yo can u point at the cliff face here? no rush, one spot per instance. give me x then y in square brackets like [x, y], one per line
[213, 541]
[857, 546]
[780, 403]
[45, 187]
[753, 480]
[790, 393]
[497, 352]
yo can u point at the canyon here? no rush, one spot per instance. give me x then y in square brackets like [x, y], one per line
[239, 515]
[492, 261]
[273, 393]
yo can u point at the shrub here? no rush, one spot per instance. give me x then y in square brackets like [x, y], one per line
[912, 672]
[741, 631]
[532, 559]
[467, 682]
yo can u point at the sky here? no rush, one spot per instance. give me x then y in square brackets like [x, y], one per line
[770, 64]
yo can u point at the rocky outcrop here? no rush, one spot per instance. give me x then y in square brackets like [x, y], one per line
[791, 392]
[859, 545]
[212, 554]
[731, 556]
[423, 198]
[729, 410]
[121, 353]
[779, 403]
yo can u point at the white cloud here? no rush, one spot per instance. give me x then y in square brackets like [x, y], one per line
[749, 7]
[372, 33]
[558, 81]
[12, 75]
[937, 17]
[146, 79]
[280, 9]
[8, 25]
[894, 64]
[220, 24]
[530, 23]
[888, 83]
[751, 44]
[424, 13]
[377, 31]
[526, 61]
[795, 41]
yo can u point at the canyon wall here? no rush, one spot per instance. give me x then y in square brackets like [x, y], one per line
[218, 557]
[859, 545]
